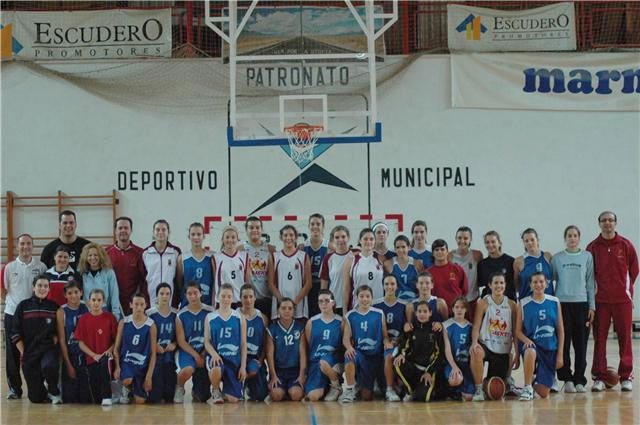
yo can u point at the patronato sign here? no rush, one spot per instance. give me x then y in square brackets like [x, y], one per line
[546, 81]
[99, 34]
[478, 29]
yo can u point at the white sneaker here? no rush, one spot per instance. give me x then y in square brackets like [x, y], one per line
[333, 394]
[598, 386]
[407, 398]
[512, 389]
[569, 388]
[217, 397]
[106, 402]
[55, 399]
[348, 395]
[555, 387]
[478, 396]
[178, 397]
[267, 399]
[626, 385]
[377, 391]
[391, 395]
[580, 388]
[124, 398]
[527, 394]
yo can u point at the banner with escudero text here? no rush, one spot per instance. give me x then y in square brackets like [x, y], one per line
[478, 29]
[98, 34]
[546, 81]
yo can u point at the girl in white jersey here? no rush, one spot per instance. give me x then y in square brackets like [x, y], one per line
[291, 274]
[230, 265]
[331, 272]
[363, 269]
[468, 259]
[260, 263]
[493, 335]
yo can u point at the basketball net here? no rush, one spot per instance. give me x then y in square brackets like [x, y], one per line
[302, 138]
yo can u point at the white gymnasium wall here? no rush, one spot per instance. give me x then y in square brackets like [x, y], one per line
[541, 169]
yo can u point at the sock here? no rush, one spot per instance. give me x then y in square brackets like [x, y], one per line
[349, 387]
[478, 388]
[335, 383]
[390, 388]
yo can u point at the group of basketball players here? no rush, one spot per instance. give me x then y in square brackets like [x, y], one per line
[324, 320]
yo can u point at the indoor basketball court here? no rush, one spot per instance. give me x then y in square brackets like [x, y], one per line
[487, 119]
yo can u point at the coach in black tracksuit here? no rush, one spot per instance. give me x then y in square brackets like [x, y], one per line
[34, 333]
[421, 354]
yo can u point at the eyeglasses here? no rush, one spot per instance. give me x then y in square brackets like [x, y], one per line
[324, 301]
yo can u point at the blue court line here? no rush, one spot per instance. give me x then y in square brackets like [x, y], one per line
[314, 420]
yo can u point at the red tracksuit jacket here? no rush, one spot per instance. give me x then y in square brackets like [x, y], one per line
[616, 268]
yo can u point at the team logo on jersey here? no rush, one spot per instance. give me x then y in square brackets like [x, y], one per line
[452, 276]
[296, 267]
[498, 327]
[169, 262]
[539, 267]
[48, 320]
[99, 331]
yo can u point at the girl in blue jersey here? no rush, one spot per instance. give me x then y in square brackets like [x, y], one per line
[405, 269]
[534, 260]
[541, 334]
[256, 381]
[419, 249]
[395, 318]
[190, 360]
[195, 265]
[365, 337]
[438, 306]
[457, 343]
[323, 334]
[316, 248]
[164, 375]
[134, 353]
[74, 381]
[225, 339]
[286, 354]
[381, 232]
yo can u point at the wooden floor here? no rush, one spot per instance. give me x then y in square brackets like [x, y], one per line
[610, 407]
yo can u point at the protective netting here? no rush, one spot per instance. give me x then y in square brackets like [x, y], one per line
[421, 25]
[186, 86]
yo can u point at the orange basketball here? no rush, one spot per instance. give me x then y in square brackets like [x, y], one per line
[494, 388]
[612, 378]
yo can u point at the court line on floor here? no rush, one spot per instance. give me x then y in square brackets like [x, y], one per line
[314, 420]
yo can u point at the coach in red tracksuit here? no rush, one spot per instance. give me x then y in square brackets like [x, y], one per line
[616, 268]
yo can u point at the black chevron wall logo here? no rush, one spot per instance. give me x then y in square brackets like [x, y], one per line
[315, 173]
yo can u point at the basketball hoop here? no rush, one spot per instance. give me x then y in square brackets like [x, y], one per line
[302, 138]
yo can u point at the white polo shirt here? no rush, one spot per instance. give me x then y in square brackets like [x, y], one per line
[18, 281]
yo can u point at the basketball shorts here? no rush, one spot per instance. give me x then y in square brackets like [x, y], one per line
[498, 363]
[138, 375]
[288, 377]
[368, 368]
